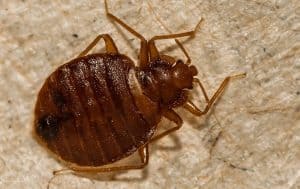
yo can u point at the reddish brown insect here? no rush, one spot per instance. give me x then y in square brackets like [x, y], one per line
[100, 108]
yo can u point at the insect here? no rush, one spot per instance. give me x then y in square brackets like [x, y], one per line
[100, 108]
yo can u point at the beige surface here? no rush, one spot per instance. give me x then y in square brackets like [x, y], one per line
[259, 116]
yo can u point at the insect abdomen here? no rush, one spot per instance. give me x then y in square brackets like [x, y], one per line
[86, 113]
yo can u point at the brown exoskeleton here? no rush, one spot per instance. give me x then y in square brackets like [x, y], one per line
[100, 108]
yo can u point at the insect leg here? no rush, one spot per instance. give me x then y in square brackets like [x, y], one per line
[196, 80]
[188, 58]
[173, 116]
[144, 156]
[143, 153]
[144, 47]
[188, 61]
[196, 111]
[154, 54]
[109, 45]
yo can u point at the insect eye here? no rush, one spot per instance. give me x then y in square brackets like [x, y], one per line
[179, 61]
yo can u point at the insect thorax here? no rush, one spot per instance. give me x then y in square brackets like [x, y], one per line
[167, 83]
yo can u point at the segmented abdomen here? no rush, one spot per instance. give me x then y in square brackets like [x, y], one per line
[86, 114]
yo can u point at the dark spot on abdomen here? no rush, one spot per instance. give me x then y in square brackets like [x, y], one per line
[48, 127]
[58, 99]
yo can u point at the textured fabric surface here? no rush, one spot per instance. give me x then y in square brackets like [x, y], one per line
[251, 137]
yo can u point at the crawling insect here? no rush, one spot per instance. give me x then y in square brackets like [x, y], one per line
[100, 108]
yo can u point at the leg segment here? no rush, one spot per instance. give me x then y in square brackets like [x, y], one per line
[173, 116]
[196, 80]
[143, 153]
[188, 61]
[109, 45]
[196, 111]
[154, 54]
[144, 47]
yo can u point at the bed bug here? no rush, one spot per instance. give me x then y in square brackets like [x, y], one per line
[100, 108]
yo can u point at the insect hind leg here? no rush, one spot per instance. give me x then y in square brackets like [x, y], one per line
[109, 45]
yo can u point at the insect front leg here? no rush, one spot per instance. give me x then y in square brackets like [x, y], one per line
[154, 54]
[196, 111]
